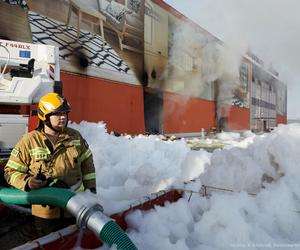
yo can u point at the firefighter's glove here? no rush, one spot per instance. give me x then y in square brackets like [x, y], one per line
[57, 183]
[40, 175]
[34, 183]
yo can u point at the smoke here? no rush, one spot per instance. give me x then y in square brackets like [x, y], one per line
[270, 28]
[228, 79]
[200, 66]
[183, 73]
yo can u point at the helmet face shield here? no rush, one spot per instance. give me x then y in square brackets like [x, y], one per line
[50, 104]
[65, 107]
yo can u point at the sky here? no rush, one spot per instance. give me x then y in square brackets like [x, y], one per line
[267, 165]
[270, 28]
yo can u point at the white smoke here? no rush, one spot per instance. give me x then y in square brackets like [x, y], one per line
[212, 63]
[270, 28]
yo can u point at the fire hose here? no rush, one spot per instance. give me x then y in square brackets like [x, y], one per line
[90, 216]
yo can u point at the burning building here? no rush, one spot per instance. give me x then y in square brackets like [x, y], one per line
[200, 82]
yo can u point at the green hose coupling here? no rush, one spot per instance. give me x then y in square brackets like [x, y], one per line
[91, 215]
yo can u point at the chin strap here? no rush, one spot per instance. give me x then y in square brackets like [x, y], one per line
[48, 124]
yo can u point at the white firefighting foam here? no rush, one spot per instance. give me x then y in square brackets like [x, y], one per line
[129, 168]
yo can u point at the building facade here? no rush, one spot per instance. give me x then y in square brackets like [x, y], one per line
[151, 70]
[195, 82]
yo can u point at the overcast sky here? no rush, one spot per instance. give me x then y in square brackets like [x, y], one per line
[271, 28]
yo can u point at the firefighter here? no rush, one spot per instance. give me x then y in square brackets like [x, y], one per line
[52, 155]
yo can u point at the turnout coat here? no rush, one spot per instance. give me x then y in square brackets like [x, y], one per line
[69, 159]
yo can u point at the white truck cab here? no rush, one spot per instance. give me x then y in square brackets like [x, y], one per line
[27, 72]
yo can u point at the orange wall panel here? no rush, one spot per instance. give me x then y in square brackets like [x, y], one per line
[238, 118]
[33, 120]
[182, 114]
[281, 119]
[119, 105]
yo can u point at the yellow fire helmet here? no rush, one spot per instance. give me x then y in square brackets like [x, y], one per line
[52, 103]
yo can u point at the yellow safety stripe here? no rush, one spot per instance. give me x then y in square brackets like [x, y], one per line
[15, 152]
[76, 142]
[17, 166]
[14, 176]
[36, 151]
[40, 153]
[86, 155]
[88, 177]
[80, 189]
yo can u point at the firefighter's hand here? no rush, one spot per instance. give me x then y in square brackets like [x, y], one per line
[34, 183]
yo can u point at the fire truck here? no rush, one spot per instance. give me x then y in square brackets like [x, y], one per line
[28, 72]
